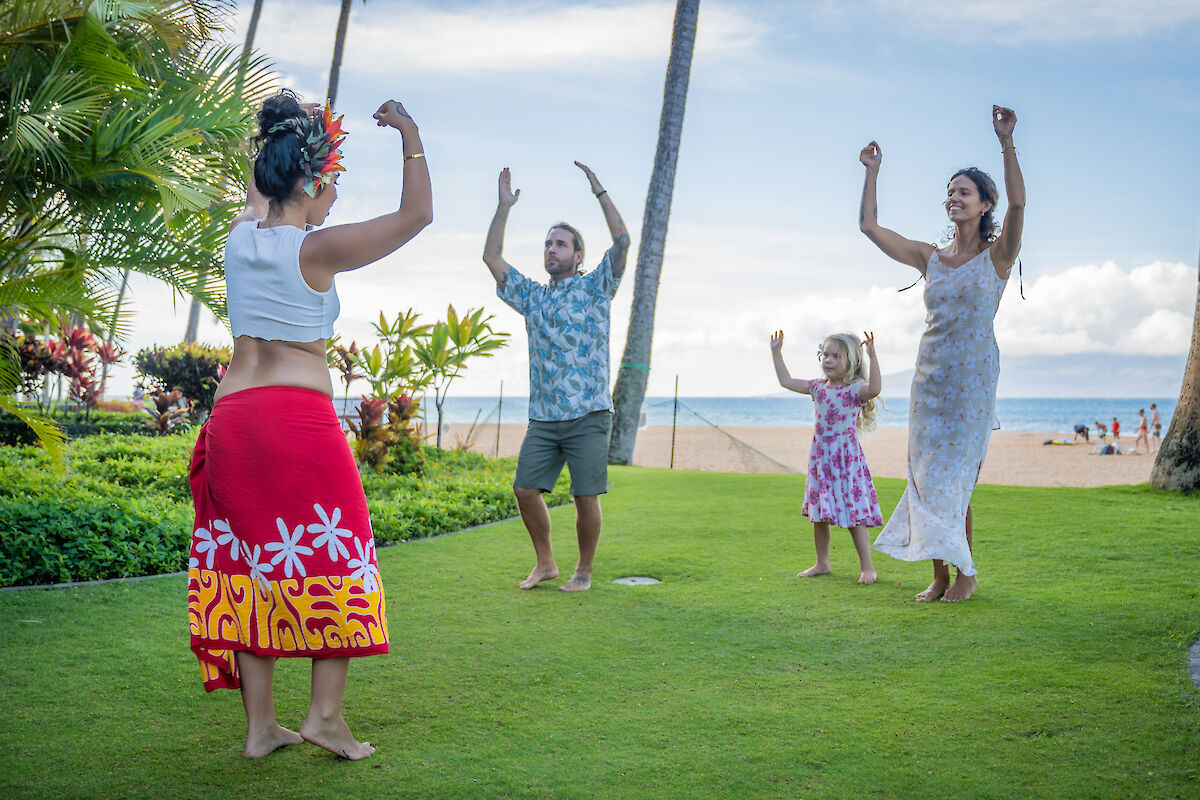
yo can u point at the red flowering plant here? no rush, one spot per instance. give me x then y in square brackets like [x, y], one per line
[394, 444]
[170, 409]
[37, 360]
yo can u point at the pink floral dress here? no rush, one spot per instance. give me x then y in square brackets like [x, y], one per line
[839, 488]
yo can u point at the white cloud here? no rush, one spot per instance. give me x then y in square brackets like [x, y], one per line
[1014, 21]
[1102, 309]
[386, 38]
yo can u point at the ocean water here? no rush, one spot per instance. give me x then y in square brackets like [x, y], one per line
[1041, 414]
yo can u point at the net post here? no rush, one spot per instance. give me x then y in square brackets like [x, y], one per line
[499, 417]
[674, 416]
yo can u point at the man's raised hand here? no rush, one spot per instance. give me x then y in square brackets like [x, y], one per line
[591, 176]
[507, 195]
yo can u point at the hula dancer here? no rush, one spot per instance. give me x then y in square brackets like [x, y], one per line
[283, 559]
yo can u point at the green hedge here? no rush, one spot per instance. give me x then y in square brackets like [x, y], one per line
[15, 432]
[123, 508]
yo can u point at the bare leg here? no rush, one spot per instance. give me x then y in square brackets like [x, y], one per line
[263, 733]
[862, 543]
[587, 531]
[324, 725]
[821, 544]
[964, 585]
[536, 517]
[941, 580]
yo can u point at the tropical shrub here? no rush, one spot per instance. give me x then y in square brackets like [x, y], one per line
[194, 370]
[124, 506]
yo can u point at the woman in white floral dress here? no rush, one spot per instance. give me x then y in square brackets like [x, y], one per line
[953, 399]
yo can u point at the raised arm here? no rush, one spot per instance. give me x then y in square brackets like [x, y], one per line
[781, 371]
[906, 251]
[257, 205]
[347, 247]
[495, 235]
[1008, 244]
[616, 225]
[874, 378]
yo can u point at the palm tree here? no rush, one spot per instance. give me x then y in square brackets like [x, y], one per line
[119, 134]
[1177, 465]
[630, 390]
[339, 44]
[193, 323]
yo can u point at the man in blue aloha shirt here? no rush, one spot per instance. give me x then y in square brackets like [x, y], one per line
[570, 407]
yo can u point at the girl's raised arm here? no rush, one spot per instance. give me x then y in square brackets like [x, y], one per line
[781, 371]
[347, 247]
[874, 383]
[895, 246]
[1008, 243]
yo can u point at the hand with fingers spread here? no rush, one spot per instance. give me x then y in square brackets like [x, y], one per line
[869, 343]
[1004, 120]
[392, 114]
[507, 195]
[777, 342]
[871, 155]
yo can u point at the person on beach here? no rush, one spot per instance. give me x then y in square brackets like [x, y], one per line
[953, 397]
[1101, 431]
[1143, 432]
[1081, 430]
[1116, 431]
[1156, 421]
[283, 559]
[570, 407]
[839, 490]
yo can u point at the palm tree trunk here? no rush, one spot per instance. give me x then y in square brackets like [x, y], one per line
[339, 44]
[1177, 465]
[193, 325]
[633, 373]
[112, 328]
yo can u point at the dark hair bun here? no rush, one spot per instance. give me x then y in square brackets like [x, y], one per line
[277, 108]
[277, 167]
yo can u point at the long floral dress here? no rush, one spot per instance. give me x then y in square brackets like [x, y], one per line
[951, 413]
[839, 489]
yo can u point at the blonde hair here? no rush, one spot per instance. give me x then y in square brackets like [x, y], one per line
[852, 346]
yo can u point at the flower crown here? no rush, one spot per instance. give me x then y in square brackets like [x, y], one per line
[321, 139]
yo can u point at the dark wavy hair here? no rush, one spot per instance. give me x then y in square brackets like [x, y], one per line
[277, 159]
[988, 229]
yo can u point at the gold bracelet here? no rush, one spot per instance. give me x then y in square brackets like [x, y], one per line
[414, 155]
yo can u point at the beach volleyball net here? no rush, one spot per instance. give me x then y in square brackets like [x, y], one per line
[694, 442]
[691, 441]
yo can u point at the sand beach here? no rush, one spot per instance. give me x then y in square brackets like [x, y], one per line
[1015, 458]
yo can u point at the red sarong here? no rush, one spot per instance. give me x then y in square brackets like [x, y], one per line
[283, 558]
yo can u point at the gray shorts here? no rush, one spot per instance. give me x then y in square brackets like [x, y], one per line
[581, 444]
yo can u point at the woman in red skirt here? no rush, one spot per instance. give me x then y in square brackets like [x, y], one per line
[283, 558]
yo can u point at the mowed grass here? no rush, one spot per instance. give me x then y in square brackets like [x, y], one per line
[1066, 676]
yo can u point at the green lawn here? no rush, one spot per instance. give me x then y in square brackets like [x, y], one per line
[1065, 677]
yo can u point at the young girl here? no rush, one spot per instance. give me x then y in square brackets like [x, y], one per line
[839, 490]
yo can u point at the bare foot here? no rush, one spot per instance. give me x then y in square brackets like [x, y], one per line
[538, 575]
[814, 570]
[868, 576]
[963, 588]
[261, 745]
[335, 736]
[935, 590]
[578, 583]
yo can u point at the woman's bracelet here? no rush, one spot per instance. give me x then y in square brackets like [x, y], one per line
[1006, 149]
[602, 191]
[414, 155]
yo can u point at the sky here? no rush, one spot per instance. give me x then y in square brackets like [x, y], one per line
[763, 231]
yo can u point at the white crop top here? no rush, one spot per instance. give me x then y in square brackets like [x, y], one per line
[266, 294]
